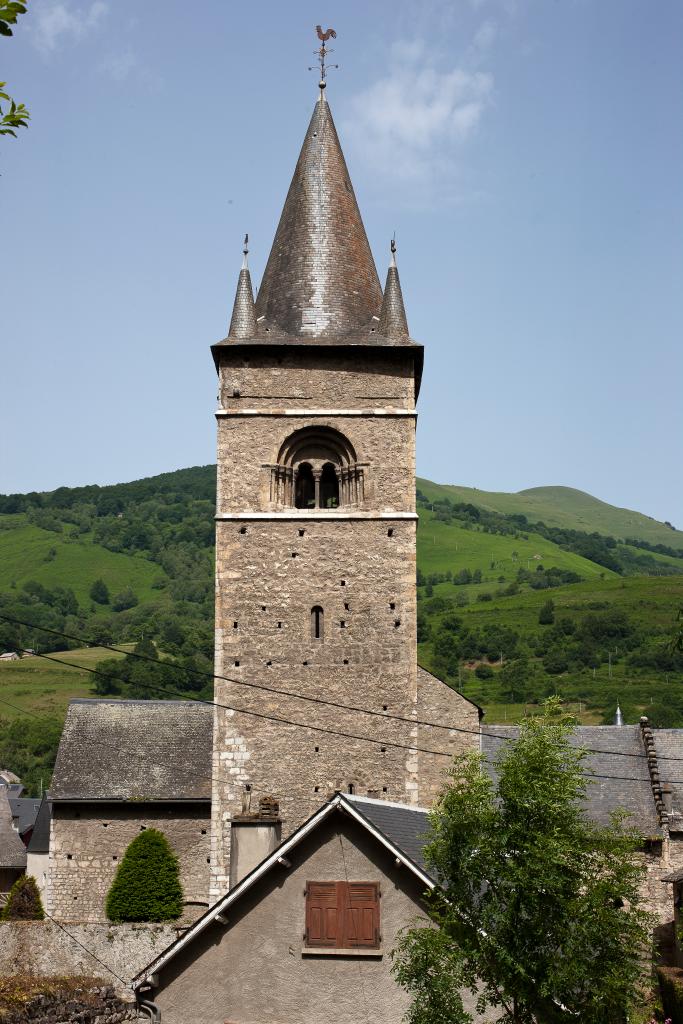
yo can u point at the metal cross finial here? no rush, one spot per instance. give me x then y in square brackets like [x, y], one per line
[393, 250]
[323, 52]
[245, 251]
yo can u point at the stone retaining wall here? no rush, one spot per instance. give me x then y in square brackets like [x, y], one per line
[116, 952]
[58, 1000]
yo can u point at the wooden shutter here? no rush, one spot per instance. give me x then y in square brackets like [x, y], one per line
[360, 915]
[322, 914]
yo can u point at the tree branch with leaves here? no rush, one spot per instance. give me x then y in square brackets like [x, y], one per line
[539, 911]
[16, 115]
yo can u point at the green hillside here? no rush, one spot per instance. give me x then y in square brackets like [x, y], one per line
[562, 506]
[490, 566]
[56, 559]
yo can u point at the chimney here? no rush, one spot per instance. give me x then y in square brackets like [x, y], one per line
[254, 835]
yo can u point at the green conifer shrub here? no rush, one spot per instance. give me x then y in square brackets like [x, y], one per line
[23, 902]
[146, 886]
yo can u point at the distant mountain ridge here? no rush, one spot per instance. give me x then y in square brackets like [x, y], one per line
[564, 507]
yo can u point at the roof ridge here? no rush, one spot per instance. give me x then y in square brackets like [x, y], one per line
[653, 770]
[353, 797]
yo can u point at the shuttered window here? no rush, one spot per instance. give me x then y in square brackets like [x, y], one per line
[342, 915]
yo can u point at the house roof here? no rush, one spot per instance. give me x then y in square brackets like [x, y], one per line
[142, 750]
[12, 850]
[40, 837]
[616, 769]
[24, 812]
[378, 821]
[401, 824]
[669, 747]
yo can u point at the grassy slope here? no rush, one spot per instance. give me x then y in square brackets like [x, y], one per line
[24, 555]
[35, 685]
[442, 546]
[562, 506]
[648, 601]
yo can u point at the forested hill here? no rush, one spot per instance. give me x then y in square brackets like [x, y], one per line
[562, 506]
[548, 590]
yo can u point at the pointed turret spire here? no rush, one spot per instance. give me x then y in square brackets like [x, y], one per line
[320, 280]
[618, 717]
[392, 318]
[243, 319]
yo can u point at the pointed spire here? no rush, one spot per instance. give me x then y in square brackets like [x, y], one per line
[392, 317]
[320, 280]
[243, 319]
[618, 717]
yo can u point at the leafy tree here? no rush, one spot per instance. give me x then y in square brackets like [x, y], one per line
[23, 902]
[483, 672]
[16, 116]
[99, 592]
[514, 679]
[546, 615]
[146, 886]
[539, 909]
[126, 599]
[29, 745]
[424, 629]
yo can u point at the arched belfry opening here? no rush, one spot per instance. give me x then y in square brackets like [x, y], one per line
[329, 487]
[304, 490]
[317, 468]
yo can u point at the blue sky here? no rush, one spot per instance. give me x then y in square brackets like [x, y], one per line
[527, 153]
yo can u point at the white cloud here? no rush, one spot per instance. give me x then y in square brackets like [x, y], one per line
[417, 117]
[119, 65]
[485, 36]
[57, 21]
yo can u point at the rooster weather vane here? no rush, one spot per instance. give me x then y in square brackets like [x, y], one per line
[323, 52]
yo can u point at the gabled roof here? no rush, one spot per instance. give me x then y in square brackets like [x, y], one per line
[616, 769]
[669, 748]
[24, 812]
[379, 821]
[142, 750]
[12, 850]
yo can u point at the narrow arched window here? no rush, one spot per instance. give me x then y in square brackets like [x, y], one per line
[317, 623]
[305, 486]
[329, 487]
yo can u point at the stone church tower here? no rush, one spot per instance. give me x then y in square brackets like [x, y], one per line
[316, 525]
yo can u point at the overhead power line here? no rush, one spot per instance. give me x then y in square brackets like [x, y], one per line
[448, 727]
[322, 729]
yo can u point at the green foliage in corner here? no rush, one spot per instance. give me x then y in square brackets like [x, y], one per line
[24, 903]
[16, 115]
[146, 886]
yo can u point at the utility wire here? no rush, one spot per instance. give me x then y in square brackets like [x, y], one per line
[323, 729]
[84, 641]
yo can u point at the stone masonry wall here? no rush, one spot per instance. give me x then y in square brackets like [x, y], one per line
[438, 703]
[88, 841]
[84, 1000]
[248, 445]
[115, 952]
[364, 581]
[302, 379]
[273, 565]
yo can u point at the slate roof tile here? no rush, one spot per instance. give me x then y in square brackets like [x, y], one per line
[147, 750]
